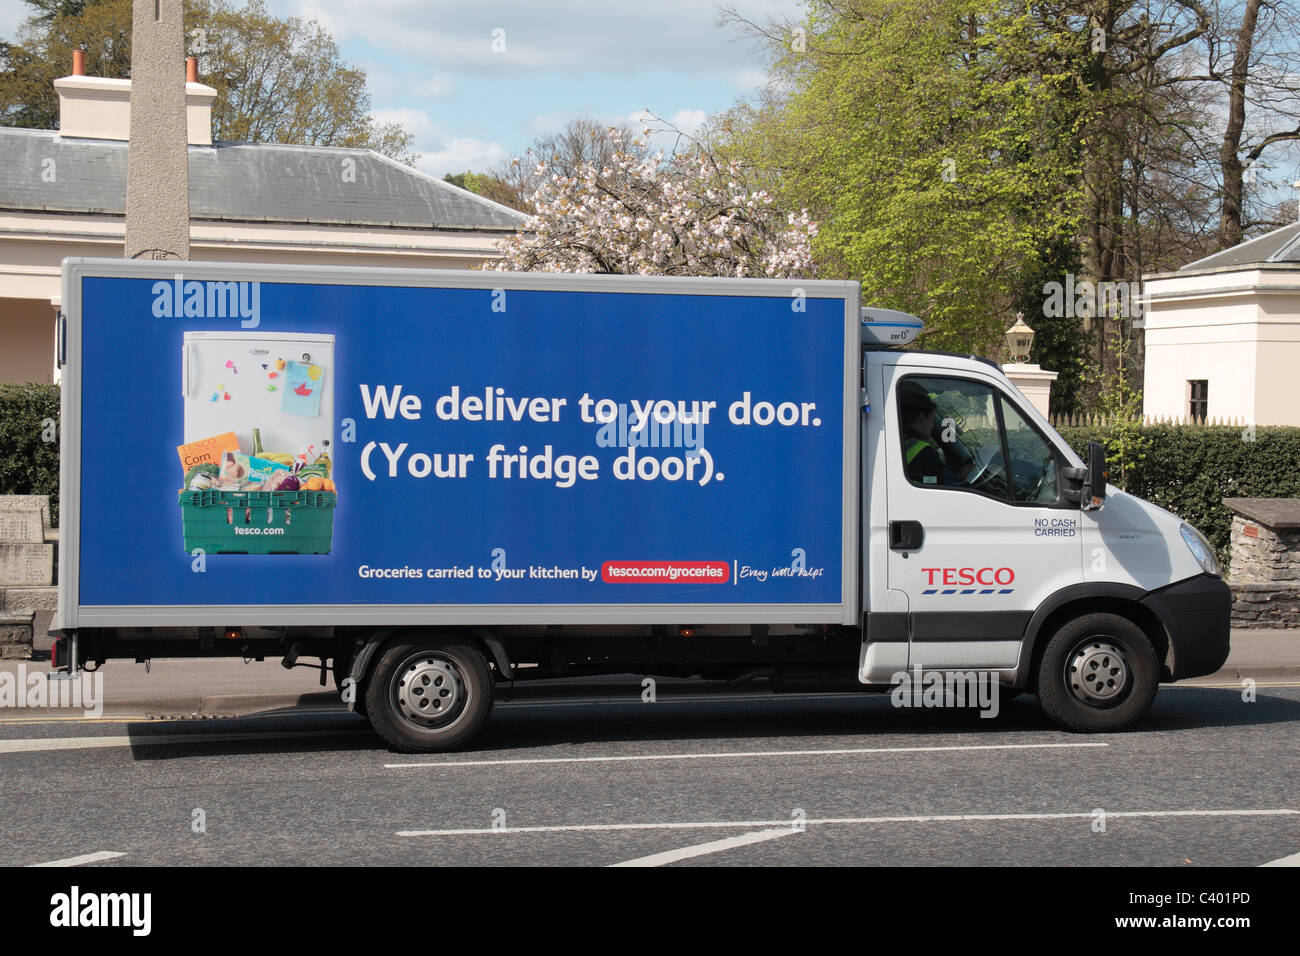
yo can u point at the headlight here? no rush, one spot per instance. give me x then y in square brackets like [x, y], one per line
[1201, 550]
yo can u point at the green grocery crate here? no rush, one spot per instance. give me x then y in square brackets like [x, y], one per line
[258, 522]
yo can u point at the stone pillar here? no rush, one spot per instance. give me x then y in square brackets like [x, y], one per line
[1265, 571]
[28, 595]
[157, 163]
[1034, 382]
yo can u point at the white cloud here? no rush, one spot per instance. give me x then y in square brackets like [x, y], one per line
[669, 133]
[748, 78]
[460, 153]
[441, 152]
[688, 121]
[429, 87]
[382, 84]
[549, 123]
[386, 86]
[588, 35]
[416, 122]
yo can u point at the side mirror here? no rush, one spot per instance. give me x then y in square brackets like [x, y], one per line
[1094, 485]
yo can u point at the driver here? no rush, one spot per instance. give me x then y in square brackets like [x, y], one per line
[926, 460]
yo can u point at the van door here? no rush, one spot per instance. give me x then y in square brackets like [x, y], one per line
[979, 529]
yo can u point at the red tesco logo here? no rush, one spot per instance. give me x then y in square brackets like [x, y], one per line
[968, 576]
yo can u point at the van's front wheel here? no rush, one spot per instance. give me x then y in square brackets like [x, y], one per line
[1098, 672]
[428, 695]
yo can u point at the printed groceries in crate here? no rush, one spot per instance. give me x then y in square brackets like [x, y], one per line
[207, 450]
[263, 471]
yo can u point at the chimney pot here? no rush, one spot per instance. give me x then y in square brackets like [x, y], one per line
[78, 62]
[191, 70]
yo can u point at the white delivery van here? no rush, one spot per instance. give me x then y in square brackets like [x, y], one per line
[490, 477]
[1015, 555]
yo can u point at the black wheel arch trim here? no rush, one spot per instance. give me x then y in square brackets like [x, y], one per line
[1091, 590]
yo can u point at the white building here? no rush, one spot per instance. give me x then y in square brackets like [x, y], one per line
[63, 193]
[1223, 335]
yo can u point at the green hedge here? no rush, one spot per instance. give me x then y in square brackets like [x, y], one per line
[29, 445]
[1190, 469]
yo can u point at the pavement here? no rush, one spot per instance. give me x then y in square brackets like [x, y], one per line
[221, 687]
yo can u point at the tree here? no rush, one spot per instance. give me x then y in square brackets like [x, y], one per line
[43, 53]
[582, 141]
[490, 187]
[929, 144]
[690, 215]
[1254, 60]
[277, 80]
[960, 154]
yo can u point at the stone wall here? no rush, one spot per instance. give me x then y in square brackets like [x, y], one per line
[28, 595]
[1265, 575]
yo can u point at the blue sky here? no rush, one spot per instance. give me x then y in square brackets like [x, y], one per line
[431, 64]
[434, 66]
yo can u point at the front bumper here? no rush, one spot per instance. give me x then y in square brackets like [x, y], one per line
[1196, 614]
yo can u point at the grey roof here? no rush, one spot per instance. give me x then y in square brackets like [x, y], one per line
[1279, 246]
[245, 182]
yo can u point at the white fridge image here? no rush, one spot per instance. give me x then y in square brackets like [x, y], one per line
[237, 381]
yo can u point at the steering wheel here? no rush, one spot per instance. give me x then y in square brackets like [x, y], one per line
[1037, 492]
[981, 468]
[987, 475]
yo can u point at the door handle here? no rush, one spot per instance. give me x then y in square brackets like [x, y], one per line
[906, 535]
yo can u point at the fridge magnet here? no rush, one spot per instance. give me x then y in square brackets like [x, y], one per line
[301, 390]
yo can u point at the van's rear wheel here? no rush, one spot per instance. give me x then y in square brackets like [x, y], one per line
[1098, 672]
[429, 695]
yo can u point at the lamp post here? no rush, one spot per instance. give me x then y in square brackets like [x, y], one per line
[1034, 383]
[1020, 338]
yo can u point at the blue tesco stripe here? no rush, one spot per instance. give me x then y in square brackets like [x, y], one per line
[968, 591]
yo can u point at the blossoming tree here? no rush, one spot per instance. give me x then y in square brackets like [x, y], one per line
[688, 216]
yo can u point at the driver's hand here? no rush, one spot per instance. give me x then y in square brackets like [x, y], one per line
[965, 470]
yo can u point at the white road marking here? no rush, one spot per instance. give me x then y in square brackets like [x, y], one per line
[846, 821]
[731, 755]
[703, 849]
[1191, 684]
[1292, 860]
[73, 720]
[83, 859]
[38, 745]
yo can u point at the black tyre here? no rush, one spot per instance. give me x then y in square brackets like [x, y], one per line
[1099, 672]
[428, 695]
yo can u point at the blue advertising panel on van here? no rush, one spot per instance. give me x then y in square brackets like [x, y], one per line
[274, 443]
